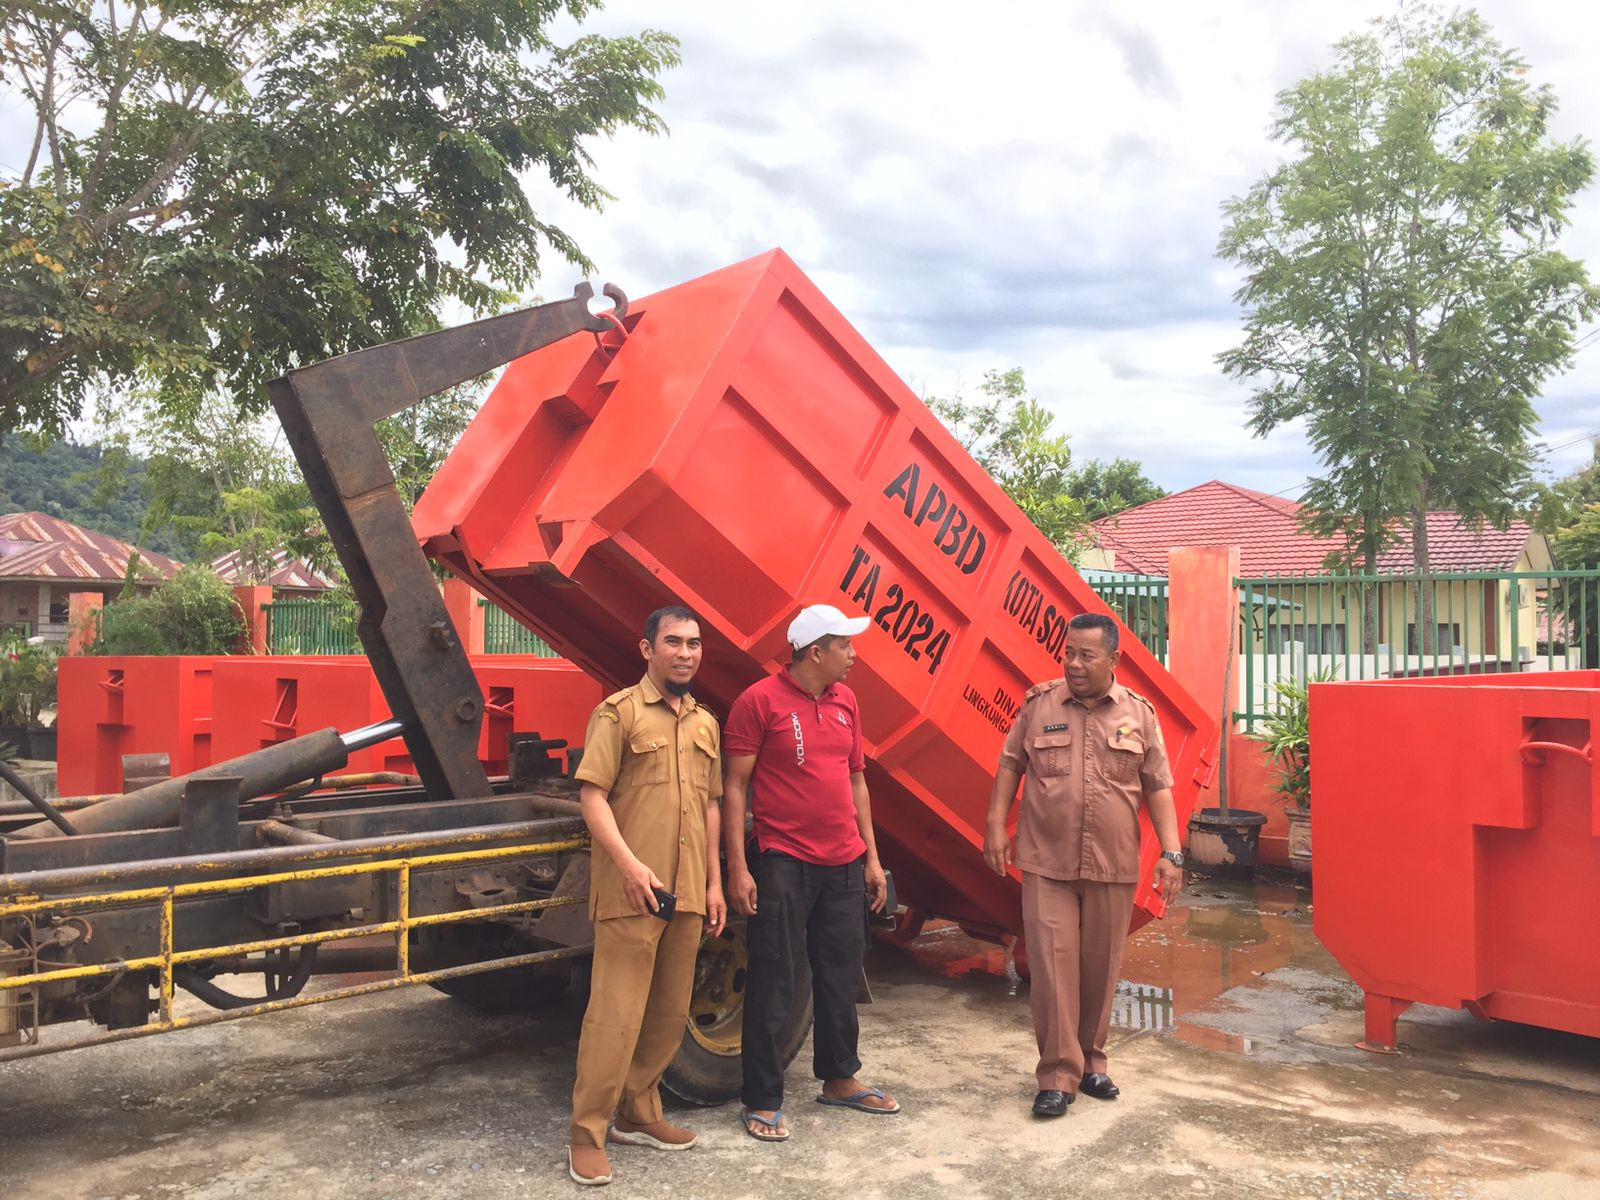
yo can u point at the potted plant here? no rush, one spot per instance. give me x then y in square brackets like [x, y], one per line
[1286, 733]
[27, 688]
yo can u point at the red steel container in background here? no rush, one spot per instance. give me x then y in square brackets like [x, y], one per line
[109, 706]
[744, 451]
[1456, 832]
[200, 709]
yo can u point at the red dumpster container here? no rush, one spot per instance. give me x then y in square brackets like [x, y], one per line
[744, 451]
[1456, 832]
[114, 705]
[264, 700]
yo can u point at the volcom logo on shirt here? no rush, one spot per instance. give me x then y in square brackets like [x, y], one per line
[799, 739]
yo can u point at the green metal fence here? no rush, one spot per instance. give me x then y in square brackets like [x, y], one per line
[1400, 625]
[504, 634]
[311, 627]
[1141, 602]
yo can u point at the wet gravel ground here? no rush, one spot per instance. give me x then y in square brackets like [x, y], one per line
[1233, 1049]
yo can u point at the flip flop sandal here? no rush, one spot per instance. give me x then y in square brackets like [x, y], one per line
[857, 1102]
[772, 1133]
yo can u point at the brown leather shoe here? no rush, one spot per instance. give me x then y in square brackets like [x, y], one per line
[658, 1135]
[588, 1165]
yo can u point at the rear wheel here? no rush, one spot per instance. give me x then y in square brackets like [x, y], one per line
[508, 990]
[707, 1069]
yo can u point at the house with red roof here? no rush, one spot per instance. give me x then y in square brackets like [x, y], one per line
[290, 578]
[1491, 617]
[44, 559]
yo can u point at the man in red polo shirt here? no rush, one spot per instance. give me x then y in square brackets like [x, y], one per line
[794, 739]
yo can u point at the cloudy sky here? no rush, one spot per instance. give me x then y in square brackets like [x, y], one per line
[1022, 184]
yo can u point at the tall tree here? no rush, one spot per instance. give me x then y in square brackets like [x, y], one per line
[215, 192]
[1009, 433]
[1403, 292]
[1106, 488]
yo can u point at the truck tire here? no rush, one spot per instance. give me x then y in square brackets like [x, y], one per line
[509, 990]
[707, 1069]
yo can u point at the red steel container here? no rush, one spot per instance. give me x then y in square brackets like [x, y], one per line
[202, 709]
[109, 706]
[1456, 833]
[744, 451]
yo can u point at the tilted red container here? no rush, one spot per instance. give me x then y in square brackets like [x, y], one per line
[1456, 833]
[744, 451]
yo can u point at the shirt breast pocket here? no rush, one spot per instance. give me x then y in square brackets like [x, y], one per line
[1124, 757]
[649, 755]
[1051, 754]
[703, 761]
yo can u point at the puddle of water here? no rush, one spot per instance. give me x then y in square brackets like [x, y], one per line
[1225, 935]
[1222, 936]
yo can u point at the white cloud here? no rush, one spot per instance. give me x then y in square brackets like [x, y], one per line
[1032, 185]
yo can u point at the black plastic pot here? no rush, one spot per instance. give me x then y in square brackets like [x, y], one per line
[1225, 841]
[42, 742]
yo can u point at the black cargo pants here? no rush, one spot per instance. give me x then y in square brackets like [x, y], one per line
[803, 913]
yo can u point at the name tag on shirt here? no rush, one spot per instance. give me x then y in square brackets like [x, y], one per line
[1055, 728]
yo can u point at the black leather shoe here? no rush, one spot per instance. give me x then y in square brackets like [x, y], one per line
[1051, 1103]
[1099, 1086]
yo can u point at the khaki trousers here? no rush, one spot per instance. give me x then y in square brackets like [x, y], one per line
[638, 1007]
[1075, 930]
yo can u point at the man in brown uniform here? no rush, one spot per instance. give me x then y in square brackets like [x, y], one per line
[1087, 751]
[651, 795]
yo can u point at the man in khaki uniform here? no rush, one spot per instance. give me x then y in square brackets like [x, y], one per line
[1088, 752]
[651, 795]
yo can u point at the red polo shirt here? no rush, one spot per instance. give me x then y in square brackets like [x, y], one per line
[806, 748]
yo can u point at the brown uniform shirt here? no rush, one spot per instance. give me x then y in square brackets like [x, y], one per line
[660, 768]
[1085, 766]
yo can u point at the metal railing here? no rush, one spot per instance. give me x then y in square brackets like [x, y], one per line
[504, 634]
[1404, 624]
[311, 627]
[1140, 602]
[23, 983]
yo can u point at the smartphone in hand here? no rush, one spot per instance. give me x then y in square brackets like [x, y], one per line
[666, 904]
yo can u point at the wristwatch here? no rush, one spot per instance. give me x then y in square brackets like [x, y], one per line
[1175, 857]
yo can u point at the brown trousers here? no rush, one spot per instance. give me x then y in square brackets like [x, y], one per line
[1075, 930]
[638, 1008]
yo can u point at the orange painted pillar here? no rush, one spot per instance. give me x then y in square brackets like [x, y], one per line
[466, 614]
[1203, 637]
[253, 600]
[1203, 624]
[83, 620]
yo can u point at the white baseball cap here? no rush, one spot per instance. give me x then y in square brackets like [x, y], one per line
[822, 620]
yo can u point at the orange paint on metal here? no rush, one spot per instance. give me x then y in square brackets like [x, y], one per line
[1456, 833]
[743, 450]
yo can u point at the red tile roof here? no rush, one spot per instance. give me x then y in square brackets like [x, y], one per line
[34, 545]
[291, 573]
[1266, 529]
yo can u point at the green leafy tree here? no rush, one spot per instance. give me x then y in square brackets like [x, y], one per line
[1008, 432]
[1578, 601]
[214, 192]
[1106, 488]
[1562, 503]
[417, 440]
[1403, 293]
[217, 481]
[194, 612]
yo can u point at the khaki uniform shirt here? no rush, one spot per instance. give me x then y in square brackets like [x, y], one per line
[1085, 766]
[659, 769]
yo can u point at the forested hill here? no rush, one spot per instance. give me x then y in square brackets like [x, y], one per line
[62, 480]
